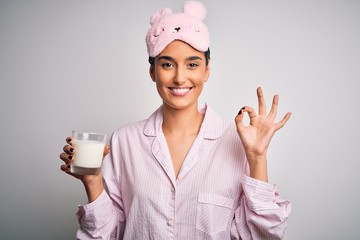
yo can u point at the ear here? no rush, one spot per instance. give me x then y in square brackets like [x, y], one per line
[162, 12]
[207, 73]
[152, 72]
[195, 9]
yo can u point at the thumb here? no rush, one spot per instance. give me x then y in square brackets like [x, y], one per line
[106, 150]
[239, 118]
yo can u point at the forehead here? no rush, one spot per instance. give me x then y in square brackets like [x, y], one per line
[180, 48]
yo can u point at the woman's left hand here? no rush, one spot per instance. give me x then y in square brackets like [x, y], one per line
[257, 135]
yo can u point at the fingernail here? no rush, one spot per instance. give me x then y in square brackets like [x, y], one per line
[70, 157]
[240, 112]
[71, 149]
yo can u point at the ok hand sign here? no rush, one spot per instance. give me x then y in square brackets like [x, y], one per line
[257, 135]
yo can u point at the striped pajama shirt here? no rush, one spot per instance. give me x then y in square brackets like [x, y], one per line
[211, 198]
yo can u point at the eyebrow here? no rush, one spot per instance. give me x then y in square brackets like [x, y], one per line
[191, 58]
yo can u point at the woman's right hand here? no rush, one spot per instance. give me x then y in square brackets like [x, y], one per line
[93, 183]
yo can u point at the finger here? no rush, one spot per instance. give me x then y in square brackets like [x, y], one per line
[69, 140]
[66, 158]
[69, 149]
[239, 121]
[65, 168]
[240, 116]
[274, 107]
[283, 121]
[261, 101]
[251, 112]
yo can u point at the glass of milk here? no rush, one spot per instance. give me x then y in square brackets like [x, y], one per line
[88, 154]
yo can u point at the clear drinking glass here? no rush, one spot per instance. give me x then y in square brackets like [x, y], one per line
[88, 154]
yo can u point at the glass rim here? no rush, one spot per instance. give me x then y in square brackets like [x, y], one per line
[87, 132]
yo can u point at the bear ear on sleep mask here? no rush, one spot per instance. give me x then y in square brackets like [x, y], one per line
[187, 26]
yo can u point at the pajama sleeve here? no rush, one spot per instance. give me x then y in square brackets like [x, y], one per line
[261, 213]
[104, 218]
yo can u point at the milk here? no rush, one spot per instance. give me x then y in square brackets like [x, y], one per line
[88, 156]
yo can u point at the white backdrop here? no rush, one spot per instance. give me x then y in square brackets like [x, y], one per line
[82, 65]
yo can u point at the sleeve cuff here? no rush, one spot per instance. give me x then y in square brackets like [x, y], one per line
[96, 212]
[260, 195]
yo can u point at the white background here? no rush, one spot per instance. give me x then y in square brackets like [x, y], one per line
[82, 65]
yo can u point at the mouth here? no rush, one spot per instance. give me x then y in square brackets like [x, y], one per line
[180, 91]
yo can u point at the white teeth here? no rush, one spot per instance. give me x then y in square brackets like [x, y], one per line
[180, 90]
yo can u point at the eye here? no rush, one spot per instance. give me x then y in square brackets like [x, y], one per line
[166, 65]
[193, 65]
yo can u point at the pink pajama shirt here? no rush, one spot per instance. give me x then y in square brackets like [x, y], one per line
[212, 197]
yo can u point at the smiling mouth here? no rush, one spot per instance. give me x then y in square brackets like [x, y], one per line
[180, 91]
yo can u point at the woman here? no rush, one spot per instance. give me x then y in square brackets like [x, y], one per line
[184, 173]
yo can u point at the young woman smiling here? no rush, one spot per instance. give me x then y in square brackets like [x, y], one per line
[184, 173]
[180, 72]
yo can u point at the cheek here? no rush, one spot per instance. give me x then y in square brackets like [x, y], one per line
[200, 87]
[200, 79]
[159, 86]
[163, 77]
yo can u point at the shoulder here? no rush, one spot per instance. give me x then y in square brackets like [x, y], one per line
[143, 127]
[130, 129]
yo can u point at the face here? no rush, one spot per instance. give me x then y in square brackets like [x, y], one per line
[180, 72]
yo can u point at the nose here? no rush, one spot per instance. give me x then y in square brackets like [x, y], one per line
[179, 78]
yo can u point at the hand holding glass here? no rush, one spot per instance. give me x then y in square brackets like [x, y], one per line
[88, 155]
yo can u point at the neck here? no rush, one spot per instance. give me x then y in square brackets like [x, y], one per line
[182, 122]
